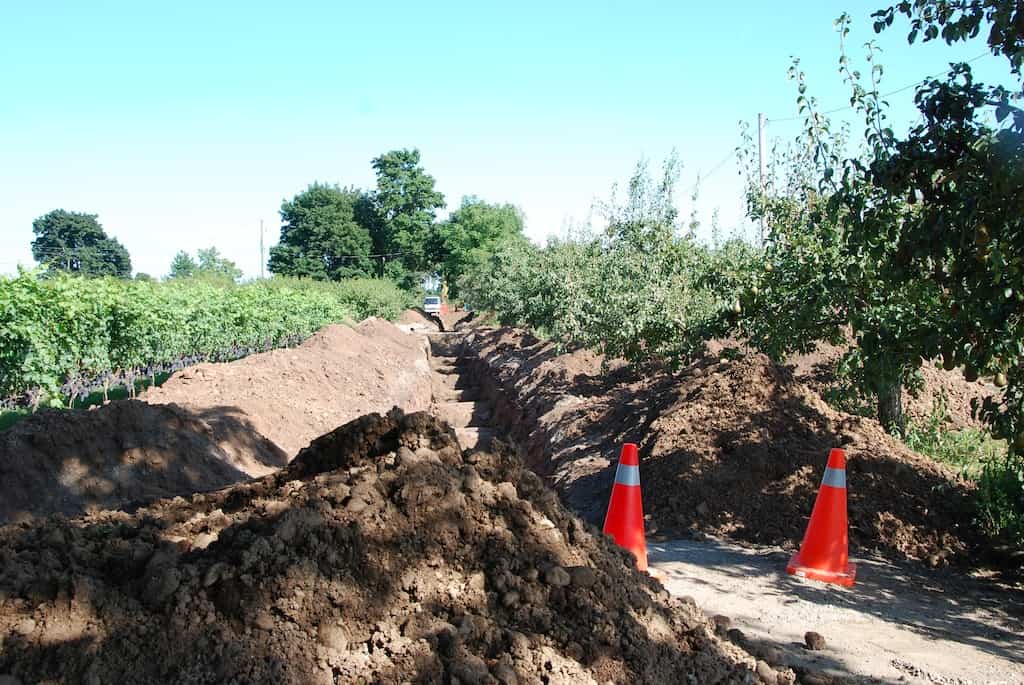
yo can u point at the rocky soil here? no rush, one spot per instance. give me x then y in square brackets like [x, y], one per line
[382, 553]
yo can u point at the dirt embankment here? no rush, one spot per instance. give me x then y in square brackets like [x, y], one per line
[209, 425]
[382, 554]
[733, 448]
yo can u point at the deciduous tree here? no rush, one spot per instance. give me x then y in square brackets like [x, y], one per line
[76, 243]
[321, 236]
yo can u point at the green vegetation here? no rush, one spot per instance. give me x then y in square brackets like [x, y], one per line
[209, 265]
[470, 236]
[63, 337]
[979, 457]
[322, 236]
[405, 203]
[643, 288]
[76, 243]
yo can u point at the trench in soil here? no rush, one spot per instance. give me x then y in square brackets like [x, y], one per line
[457, 395]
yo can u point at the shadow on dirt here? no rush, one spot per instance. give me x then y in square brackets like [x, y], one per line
[364, 566]
[123, 454]
[935, 604]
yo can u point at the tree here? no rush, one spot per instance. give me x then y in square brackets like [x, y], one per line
[183, 266]
[211, 263]
[471, 234]
[405, 202]
[321, 236]
[77, 243]
[928, 229]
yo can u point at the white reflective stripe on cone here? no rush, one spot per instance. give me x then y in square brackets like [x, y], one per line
[627, 475]
[834, 477]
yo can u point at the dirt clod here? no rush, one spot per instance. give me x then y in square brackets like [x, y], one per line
[814, 641]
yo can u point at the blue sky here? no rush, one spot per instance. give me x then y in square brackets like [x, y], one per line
[182, 125]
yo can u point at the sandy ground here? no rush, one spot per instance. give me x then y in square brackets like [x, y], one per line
[899, 623]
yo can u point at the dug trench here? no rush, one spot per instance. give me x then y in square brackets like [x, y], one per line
[732, 451]
[400, 549]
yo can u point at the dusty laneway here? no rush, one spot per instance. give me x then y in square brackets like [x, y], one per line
[899, 622]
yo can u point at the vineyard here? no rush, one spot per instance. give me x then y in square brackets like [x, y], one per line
[62, 337]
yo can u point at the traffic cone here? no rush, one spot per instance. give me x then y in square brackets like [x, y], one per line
[625, 518]
[823, 553]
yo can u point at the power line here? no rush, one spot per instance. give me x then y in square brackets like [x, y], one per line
[883, 95]
[719, 165]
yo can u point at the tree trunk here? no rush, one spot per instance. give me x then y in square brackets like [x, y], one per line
[890, 408]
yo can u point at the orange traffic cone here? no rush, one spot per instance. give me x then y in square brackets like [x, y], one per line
[823, 553]
[625, 518]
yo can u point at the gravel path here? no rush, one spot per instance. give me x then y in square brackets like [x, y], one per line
[898, 624]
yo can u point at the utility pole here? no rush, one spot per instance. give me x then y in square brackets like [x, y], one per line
[763, 163]
[261, 249]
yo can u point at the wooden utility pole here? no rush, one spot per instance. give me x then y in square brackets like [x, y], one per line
[261, 249]
[762, 162]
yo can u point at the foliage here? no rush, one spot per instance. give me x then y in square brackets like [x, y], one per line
[209, 265]
[59, 335]
[471, 233]
[183, 266]
[916, 246]
[76, 243]
[641, 289]
[979, 457]
[927, 231]
[321, 235]
[405, 203]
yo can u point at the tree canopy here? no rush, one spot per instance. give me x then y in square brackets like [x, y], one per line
[210, 264]
[76, 242]
[183, 266]
[927, 227]
[322, 236]
[405, 204]
[472, 233]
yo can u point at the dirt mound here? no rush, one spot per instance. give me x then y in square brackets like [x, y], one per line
[76, 461]
[381, 554]
[211, 424]
[417, 319]
[733, 448]
[293, 395]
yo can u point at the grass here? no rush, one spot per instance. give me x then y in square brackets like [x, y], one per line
[967, 450]
[977, 456]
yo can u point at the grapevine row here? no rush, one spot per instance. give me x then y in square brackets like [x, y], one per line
[61, 335]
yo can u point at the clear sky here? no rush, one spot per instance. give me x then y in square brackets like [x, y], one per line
[183, 124]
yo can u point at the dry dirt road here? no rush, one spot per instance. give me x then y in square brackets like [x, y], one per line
[898, 624]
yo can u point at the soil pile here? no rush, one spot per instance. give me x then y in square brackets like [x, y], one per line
[382, 553]
[209, 425]
[77, 460]
[418, 320]
[728, 447]
[291, 396]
